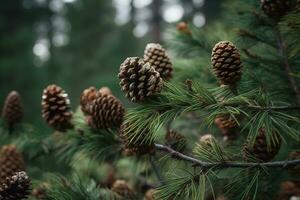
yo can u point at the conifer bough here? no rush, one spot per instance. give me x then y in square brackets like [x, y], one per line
[12, 111]
[136, 147]
[226, 63]
[56, 108]
[158, 57]
[15, 187]
[139, 80]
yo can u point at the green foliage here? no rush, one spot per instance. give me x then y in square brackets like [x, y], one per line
[75, 188]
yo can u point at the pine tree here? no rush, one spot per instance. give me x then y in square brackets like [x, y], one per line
[225, 125]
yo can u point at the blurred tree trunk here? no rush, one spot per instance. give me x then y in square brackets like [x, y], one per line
[156, 20]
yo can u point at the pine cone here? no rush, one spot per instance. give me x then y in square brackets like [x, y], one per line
[226, 63]
[277, 8]
[288, 189]
[183, 27]
[294, 155]
[260, 150]
[206, 138]
[106, 112]
[157, 56]
[86, 97]
[105, 90]
[15, 187]
[39, 192]
[12, 111]
[139, 80]
[149, 194]
[176, 140]
[137, 147]
[122, 188]
[227, 126]
[55, 108]
[11, 161]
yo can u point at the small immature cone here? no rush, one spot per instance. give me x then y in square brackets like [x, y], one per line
[227, 126]
[12, 111]
[158, 57]
[135, 148]
[11, 161]
[149, 194]
[123, 189]
[56, 108]
[176, 140]
[139, 80]
[106, 112]
[260, 150]
[105, 90]
[15, 187]
[276, 9]
[39, 192]
[86, 97]
[183, 27]
[226, 63]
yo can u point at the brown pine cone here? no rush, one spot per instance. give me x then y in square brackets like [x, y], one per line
[175, 140]
[39, 192]
[55, 108]
[123, 189]
[294, 155]
[158, 57]
[288, 189]
[277, 8]
[227, 126]
[260, 150]
[86, 97]
[226, 63]
[12, 111]
[106, 112]
[105, 90]
[11, 161]
[137, 147]
[149, 194]
[139, 80]
[183, 27]
[15, 187]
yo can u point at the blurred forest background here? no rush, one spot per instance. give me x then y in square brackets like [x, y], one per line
[80, 43]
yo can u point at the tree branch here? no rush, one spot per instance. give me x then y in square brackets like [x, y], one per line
[275, 108]
[203, 164]
[287, 68]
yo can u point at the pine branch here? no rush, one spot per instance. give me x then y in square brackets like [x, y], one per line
[287, 67]
[156, 170]
[207, 165]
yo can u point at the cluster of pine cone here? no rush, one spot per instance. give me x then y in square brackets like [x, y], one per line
[123, 189]
[101, 108]
[14, 182]
[142, 78]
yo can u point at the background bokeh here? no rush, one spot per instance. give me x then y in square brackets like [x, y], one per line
[80, 43]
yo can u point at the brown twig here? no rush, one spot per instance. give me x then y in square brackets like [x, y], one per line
[287, 67]
[206, 165]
